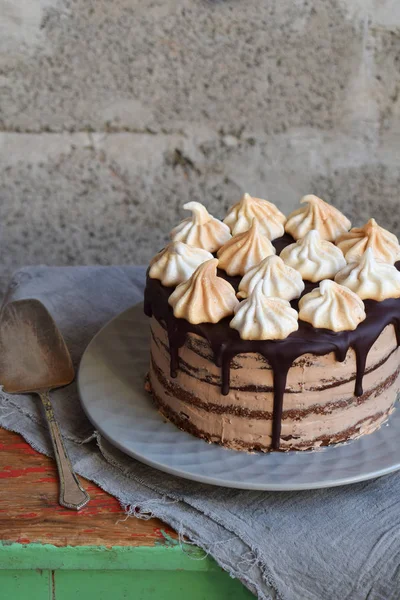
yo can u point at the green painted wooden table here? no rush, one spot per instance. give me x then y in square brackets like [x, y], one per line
[50, 553]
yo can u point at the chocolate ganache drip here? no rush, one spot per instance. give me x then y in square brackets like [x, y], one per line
[226, 343]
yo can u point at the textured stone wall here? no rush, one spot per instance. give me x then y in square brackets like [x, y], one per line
[114, 113]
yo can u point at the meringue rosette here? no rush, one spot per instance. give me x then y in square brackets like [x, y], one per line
[205, 297]
[278, 279]
[332, 306]
[317, 214]
[201, 230]
[244, 251]
[262, 317]
[269, 217]
[176, 263]
[314, 258]
[382, 242]
[371, 279]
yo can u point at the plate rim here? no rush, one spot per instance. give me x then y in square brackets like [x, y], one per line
[210, 480]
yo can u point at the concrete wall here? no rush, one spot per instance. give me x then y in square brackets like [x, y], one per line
[114, 113]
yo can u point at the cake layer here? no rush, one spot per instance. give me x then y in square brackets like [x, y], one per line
[319, 405]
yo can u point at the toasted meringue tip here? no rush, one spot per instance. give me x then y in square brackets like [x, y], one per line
[313, 257]
[276, 319]
[201, 230]
[277, 278]
[204, 297]
[370, 278]
[317, 214]
[176, 263]
[332, 306]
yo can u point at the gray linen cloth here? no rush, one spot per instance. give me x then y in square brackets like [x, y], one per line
[335, 544]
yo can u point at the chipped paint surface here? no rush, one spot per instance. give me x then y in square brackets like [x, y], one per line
[166, 540]
[9, 472]
[30, 511]
[48, 556]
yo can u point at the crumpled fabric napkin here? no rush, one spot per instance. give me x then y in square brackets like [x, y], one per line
[340, 543]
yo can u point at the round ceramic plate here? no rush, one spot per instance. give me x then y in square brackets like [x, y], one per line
[111, 386]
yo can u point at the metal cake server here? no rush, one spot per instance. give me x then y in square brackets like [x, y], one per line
[35, 359]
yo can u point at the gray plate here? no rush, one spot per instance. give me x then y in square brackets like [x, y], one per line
[111, 379]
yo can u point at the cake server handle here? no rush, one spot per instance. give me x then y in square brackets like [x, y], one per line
[72, 495]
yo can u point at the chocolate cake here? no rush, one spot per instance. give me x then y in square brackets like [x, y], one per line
[310, 355]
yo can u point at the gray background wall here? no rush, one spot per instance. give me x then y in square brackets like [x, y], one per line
[114, 113]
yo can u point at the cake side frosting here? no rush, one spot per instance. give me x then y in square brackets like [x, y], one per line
[320, 407]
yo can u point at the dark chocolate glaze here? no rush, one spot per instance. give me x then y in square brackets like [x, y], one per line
[226, 342]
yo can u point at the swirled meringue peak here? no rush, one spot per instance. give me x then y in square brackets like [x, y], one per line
[244, 251]
[384, 244]
[176, 263]
[205, 297]
[201, 230]
[370, 278]
[313, 258]
[319, 215]
[278, 279]
[262, 317]
[270, 218]
[332, 306]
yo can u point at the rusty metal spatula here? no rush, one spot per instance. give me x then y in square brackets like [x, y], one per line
[35, 359]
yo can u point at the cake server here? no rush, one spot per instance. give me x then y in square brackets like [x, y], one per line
[34, 359]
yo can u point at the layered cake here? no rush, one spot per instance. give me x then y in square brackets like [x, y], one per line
[275, 333]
